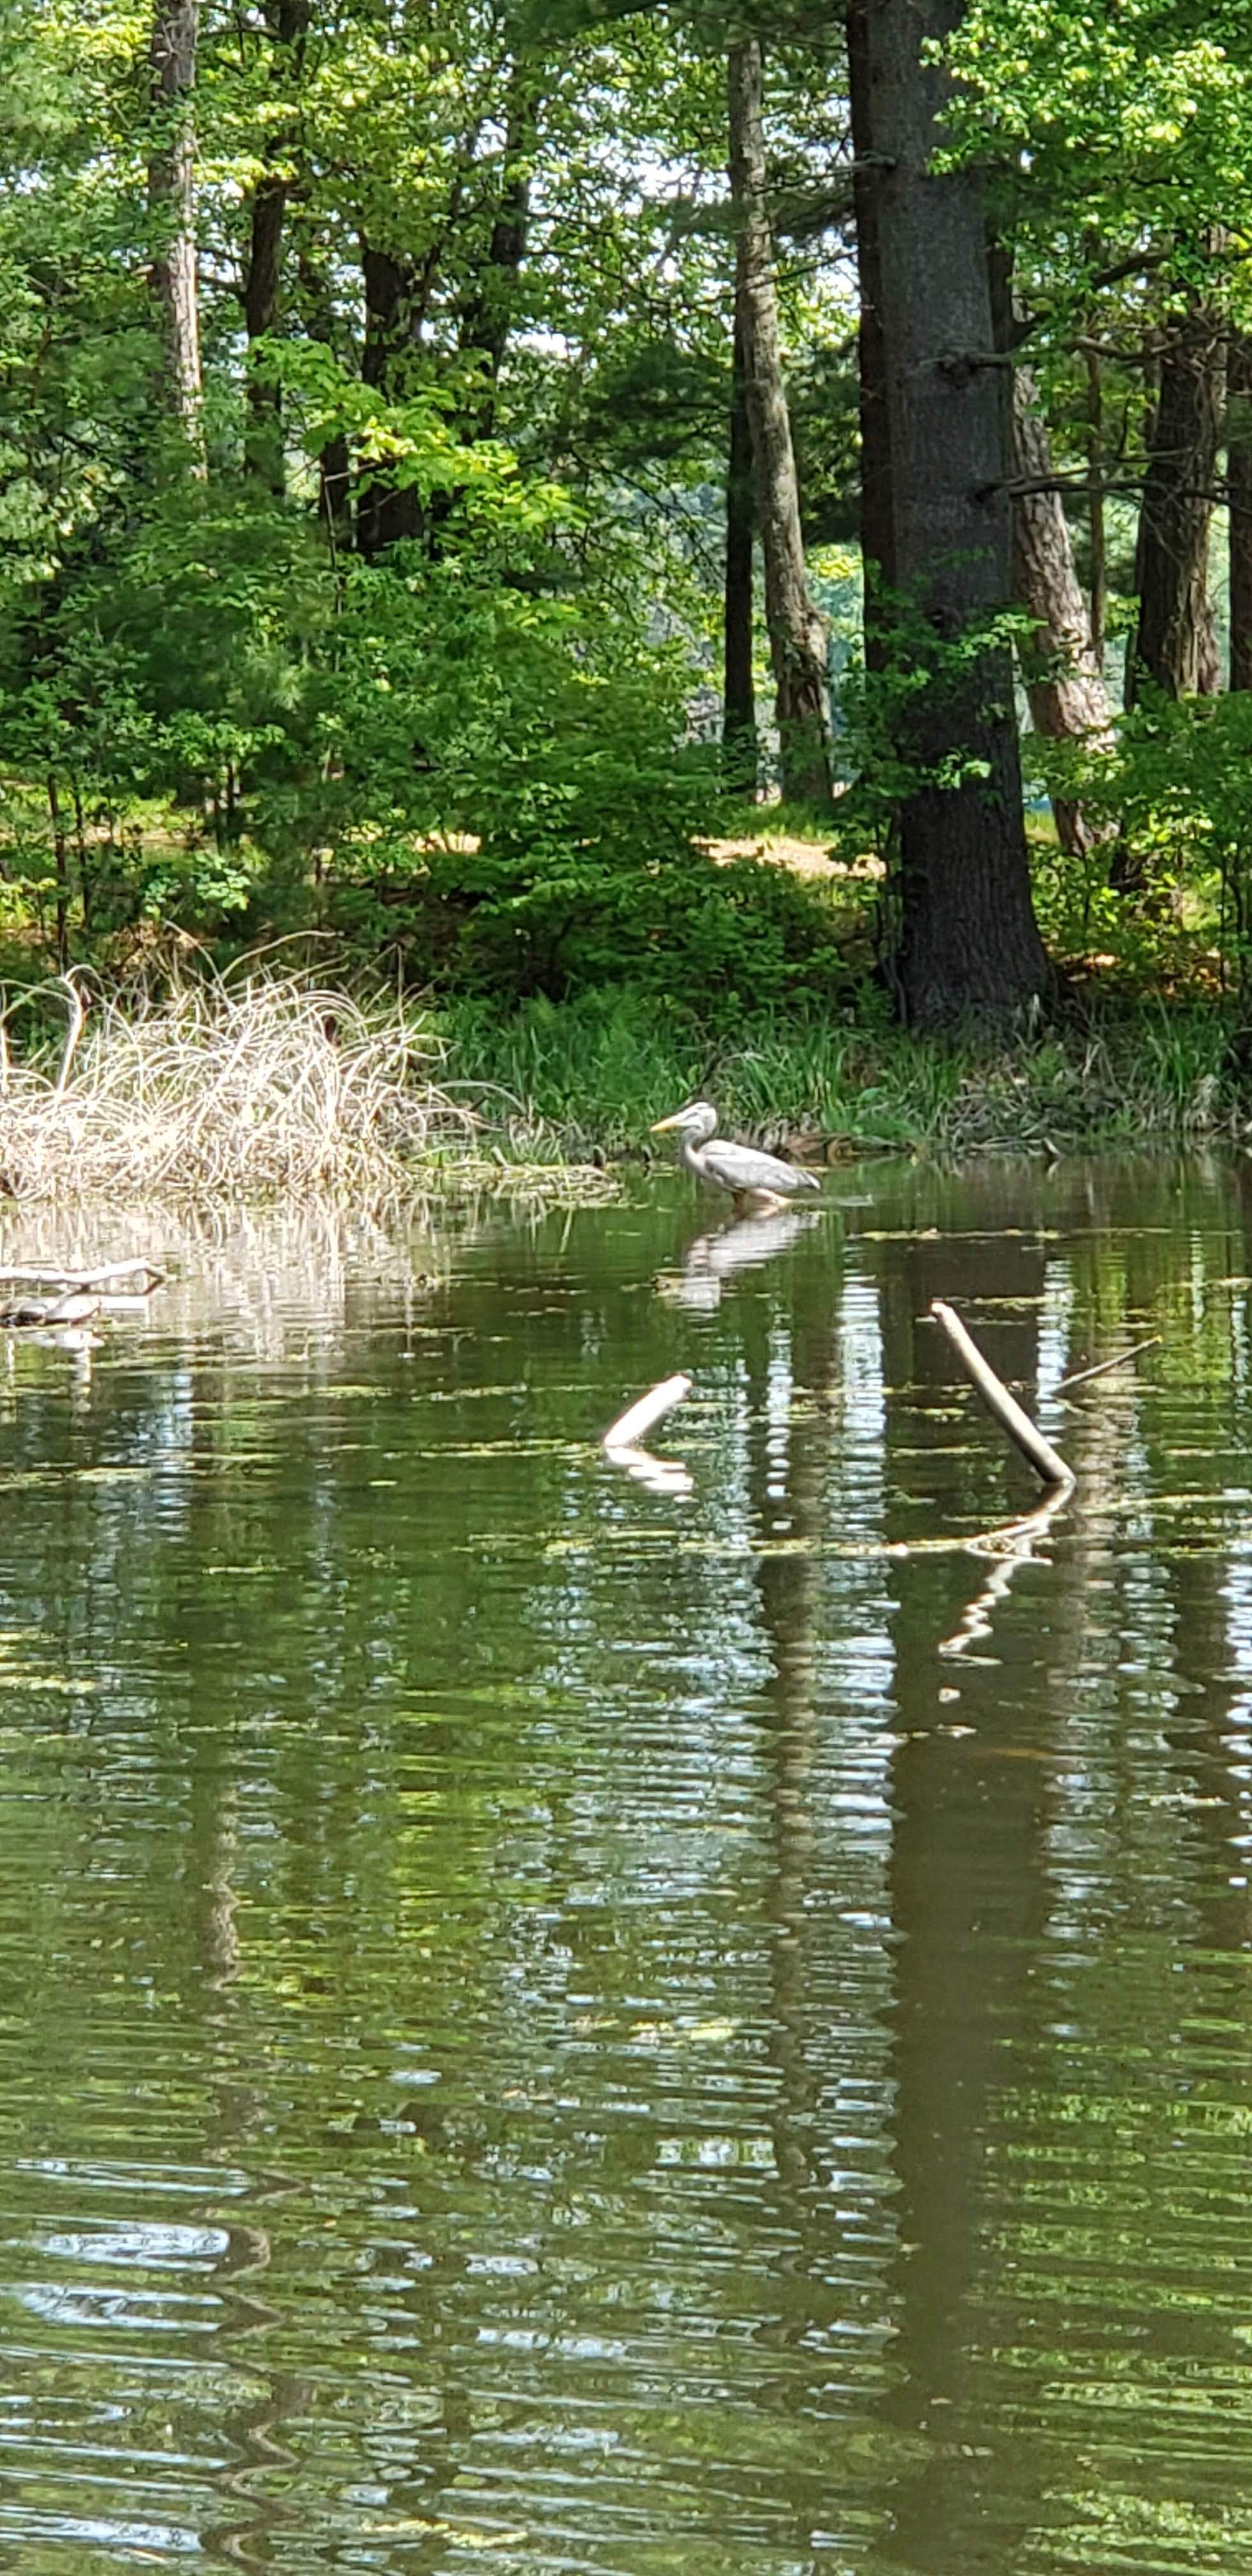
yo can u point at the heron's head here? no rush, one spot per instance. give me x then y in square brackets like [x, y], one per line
[698, 1120]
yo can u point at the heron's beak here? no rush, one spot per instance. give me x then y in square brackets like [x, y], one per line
[660, 1124]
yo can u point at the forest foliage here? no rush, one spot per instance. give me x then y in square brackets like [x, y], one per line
[433, 438]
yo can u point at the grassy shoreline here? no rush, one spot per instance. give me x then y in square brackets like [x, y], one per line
[257, 1086]
[588, 1077]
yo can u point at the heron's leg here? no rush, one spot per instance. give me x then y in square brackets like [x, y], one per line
[764, 1202]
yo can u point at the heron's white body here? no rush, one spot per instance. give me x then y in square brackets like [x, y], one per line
[752, 1178]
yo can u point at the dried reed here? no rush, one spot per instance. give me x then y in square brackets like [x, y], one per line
[263, 1088]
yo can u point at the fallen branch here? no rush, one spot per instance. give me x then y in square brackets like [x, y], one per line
[76, 1307]
[1119, 1359]
[1039, 1453]
[638, 1418]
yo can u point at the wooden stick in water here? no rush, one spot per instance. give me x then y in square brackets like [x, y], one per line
[638, 1418]
[1047, 1462]
[1102, 1367]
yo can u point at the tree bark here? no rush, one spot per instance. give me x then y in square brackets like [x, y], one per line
[387, 512]
[739, 748]
[1172, 645]
[263, 441]
[263, 437]
[968, 945]
[1064, 682]
[797, 633]
[1239, 489]
[172, 205]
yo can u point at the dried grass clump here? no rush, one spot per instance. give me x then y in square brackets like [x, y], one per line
[262, 1088]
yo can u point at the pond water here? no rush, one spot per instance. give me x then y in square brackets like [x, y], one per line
[554, 2019]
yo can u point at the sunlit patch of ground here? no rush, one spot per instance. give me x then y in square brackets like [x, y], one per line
[804, 858]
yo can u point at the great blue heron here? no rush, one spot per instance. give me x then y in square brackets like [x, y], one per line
[755, 1181]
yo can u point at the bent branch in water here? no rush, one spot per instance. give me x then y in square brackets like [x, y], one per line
[1102, 1367]
[1047, 1462]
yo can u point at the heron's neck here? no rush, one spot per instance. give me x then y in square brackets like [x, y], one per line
[692, 1156]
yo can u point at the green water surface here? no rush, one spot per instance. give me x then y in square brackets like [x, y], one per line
[560, 2019]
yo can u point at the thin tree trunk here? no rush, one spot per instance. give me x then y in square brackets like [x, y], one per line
[61, 873]
[877, 531]
[739, 749]
[968, 942]
[797, 632]
[1097, 532]
[387, 512]
[1064, 683]
[334, 493]
[263, 438]
[488, 318]
[1208, 670]
[334, 464]
[80, 844]
[263, 442]
[1239, 488]
[172, 204]
[1170, 646]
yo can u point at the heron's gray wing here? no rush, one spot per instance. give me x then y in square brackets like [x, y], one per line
[740, 1167]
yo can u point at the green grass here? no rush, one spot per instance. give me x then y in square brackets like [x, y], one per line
[590, 1076]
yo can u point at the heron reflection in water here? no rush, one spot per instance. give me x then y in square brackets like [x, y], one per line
[758, 1183]
[713, 1259]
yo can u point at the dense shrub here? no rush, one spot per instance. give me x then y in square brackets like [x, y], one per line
[1172, 803]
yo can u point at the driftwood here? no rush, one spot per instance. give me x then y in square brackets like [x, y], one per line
[77, 1307]
[1039, 1453]
[75, 1281]
[77, 1296]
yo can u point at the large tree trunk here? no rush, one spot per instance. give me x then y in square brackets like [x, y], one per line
[968, 942]
[263, 442]
[488, 317]
[1239, 490]
[387, 512]
[172, 204]
[1064, 683]
[739, 750]
[1173, 644]
[797, 633]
